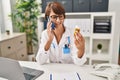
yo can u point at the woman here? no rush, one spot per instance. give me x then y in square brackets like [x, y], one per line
[59, 45]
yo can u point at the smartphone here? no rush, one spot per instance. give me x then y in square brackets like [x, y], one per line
[53, 24]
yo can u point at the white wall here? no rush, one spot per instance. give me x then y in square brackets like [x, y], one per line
[1, 18]
[6, 12]
[5, 20]
[114, 5]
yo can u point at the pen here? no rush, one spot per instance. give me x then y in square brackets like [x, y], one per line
[78, 76]
[50, 76]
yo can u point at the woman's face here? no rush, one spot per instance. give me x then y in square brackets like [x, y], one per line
[57, 19]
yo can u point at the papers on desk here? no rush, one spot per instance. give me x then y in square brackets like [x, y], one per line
[65, 76]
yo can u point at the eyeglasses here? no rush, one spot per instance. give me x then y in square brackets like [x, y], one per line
[54, 17]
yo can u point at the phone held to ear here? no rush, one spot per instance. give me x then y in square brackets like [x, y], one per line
[110, 71]
[53, 24]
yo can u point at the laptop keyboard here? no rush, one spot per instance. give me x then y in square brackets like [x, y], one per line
[31, 74]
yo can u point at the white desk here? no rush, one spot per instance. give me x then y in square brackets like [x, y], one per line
[84, 71]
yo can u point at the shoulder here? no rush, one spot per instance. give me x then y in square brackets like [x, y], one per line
[44, 33]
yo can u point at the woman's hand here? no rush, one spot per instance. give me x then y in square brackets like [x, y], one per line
[50, 33]
[80, 44]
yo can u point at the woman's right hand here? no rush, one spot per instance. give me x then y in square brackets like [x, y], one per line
[50, 31]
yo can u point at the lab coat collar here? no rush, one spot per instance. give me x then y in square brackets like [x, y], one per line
[64, 36]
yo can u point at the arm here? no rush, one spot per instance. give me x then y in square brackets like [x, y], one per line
[78, 49]
[46, 40]
[80, 44]
[42, 54]
[76, 59]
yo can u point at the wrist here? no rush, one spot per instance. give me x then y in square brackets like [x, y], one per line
[47, 45]
[80, 53]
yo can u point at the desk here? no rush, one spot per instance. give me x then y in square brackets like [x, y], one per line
[84, 71]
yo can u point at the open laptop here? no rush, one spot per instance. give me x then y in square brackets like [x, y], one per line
[11, 70]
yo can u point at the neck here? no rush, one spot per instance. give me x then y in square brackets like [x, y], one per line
[59, 32]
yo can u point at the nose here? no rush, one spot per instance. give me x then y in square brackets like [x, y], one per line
[58, 19]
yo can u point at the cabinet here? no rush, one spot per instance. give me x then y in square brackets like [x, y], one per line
[80, 5]
[67, 4]
[106, 23]
[105, 38]
[97, 28]
[13, 46]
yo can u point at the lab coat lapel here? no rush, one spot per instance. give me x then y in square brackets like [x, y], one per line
[56, 48]
[64, 38]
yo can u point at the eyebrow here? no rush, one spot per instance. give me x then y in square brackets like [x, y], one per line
[56, 15]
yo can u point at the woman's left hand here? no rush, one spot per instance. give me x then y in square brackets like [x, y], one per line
[80, 44]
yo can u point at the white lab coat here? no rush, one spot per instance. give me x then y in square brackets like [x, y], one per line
[55, 53]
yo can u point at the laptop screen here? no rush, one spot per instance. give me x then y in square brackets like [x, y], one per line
[11, 70]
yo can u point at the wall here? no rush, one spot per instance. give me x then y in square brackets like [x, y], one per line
[6, 20]
[1, 18]
[114, 5]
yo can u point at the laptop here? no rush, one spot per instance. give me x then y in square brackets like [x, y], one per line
[11, 70]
